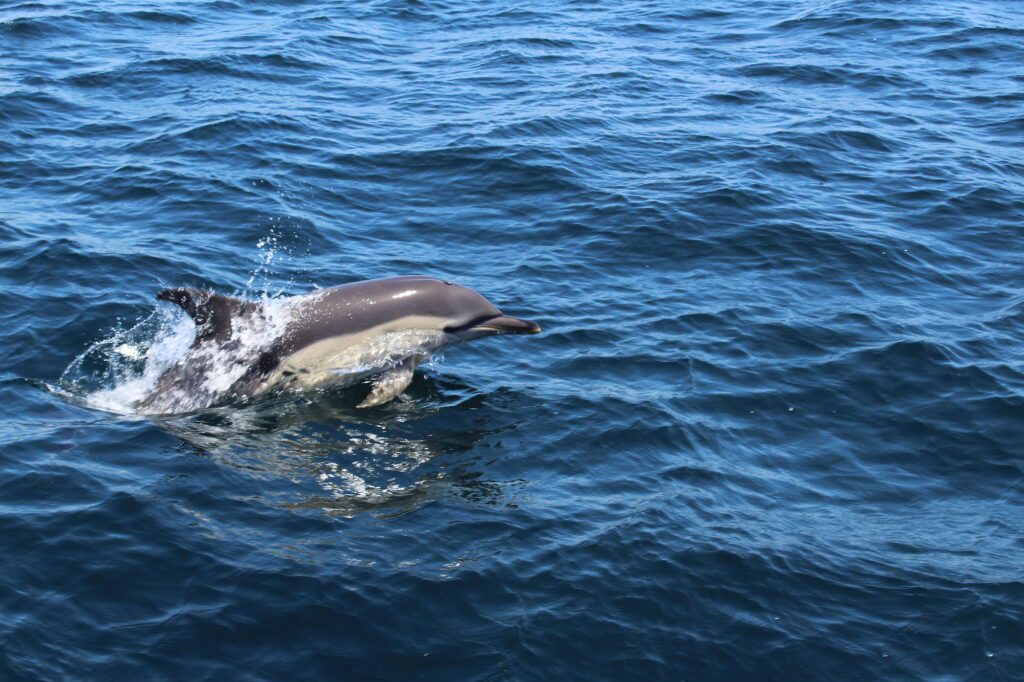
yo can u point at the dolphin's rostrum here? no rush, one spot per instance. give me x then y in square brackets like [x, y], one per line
[380, 327]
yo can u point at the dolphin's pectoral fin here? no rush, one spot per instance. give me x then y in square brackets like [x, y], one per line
[211, 312]
[390, 384]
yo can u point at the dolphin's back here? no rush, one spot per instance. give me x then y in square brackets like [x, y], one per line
[393, 303]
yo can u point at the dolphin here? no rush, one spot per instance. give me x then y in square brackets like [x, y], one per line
[341, 335]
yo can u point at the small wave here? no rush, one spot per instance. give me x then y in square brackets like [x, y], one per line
[815, 74]
[161, 17]
[256, 66]
[737, 97]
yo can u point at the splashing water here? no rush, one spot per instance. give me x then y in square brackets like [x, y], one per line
[269, 249]
[114, 374]
[205, 375]
[121, 372]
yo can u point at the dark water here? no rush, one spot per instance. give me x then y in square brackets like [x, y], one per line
[774, 428]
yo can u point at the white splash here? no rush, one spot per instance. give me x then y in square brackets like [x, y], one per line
[204, 376]
[129, 351]
[116, 373]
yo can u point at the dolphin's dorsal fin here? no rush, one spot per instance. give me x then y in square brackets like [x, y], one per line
[211, 312]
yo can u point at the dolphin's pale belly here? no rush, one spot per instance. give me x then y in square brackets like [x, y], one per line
[344, 360]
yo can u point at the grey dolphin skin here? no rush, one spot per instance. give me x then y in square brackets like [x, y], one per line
[380, 327]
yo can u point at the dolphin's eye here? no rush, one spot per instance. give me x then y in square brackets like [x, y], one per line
[448, 283]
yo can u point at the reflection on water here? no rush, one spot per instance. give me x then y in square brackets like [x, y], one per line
[319, 451]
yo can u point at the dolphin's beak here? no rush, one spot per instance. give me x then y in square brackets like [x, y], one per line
[509, 325]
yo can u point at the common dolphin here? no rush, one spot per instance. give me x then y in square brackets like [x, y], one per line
[340, 335]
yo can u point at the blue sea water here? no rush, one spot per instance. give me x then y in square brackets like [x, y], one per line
[774, 427]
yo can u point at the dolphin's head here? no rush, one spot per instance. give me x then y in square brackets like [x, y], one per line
[468, 315]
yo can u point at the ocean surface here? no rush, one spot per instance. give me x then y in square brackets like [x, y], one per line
[773, 429]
